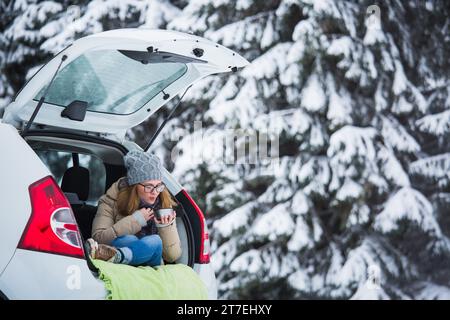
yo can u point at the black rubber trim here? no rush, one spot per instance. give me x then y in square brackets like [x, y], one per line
[194, 220]
[3, 297]
[191, 244]
[76, 136]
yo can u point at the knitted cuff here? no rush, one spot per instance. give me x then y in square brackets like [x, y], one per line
[140, 218]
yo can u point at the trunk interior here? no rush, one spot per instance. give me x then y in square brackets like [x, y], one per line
[85, 167]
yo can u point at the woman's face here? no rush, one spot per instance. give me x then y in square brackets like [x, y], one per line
[148, 197]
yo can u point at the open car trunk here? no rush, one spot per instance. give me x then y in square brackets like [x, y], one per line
[59, 152]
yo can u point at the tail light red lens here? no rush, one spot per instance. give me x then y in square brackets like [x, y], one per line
[52, 227]
[204, 245]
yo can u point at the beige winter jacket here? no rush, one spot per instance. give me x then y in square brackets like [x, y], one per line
[108, 224]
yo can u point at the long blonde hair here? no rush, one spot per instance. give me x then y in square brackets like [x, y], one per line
[128, 200]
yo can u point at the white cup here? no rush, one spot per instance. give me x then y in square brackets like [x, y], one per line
[163, 212]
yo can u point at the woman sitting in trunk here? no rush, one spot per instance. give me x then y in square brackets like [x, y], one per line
[125, 229]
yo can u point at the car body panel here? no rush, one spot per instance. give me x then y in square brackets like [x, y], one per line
[206, 273]
[20, 168]
[37, 275]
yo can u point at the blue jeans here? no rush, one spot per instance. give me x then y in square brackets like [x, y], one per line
[144, 251]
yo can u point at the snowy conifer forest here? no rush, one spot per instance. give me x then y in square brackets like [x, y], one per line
[358, 205]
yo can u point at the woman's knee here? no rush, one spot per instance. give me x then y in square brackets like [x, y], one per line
[124, 241]
[153, 241]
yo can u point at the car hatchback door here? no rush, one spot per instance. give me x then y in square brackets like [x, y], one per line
[118, 78]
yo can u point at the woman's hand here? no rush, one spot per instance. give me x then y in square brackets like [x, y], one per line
[166, 219]
[147, 213]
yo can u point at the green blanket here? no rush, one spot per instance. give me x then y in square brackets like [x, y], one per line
[166, 282]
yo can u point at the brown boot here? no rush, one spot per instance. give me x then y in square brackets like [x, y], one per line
[102, 251]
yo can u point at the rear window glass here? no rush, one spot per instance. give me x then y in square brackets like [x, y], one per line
[111, 82]
[58, 162]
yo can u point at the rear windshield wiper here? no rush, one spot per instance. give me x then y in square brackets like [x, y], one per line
[41, 100]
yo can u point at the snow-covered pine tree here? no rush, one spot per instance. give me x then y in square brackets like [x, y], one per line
[21, 34]
[362, 111]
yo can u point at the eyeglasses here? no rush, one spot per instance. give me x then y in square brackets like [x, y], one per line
[150, 188]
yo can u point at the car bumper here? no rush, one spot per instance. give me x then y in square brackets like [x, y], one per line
[208, 276]
[43, 276]
[37, 275]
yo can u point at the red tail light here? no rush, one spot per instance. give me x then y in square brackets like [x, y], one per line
[52, 227]
[204, 245]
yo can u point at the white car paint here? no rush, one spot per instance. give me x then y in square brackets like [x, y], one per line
[26, 274]
[37, 275]
[20, 167]
[206, 273]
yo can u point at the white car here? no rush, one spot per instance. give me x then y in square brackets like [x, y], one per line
[63, 142]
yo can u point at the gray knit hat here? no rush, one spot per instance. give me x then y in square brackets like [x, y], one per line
[142, 166]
